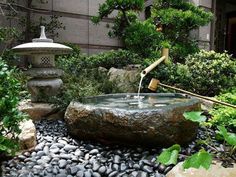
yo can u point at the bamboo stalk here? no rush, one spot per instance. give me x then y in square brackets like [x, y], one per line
[154, 84]
[199, 96]
[152, 66]
[165, 57]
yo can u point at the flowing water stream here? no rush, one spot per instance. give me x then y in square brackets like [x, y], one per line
[140, 85]
[140, 103]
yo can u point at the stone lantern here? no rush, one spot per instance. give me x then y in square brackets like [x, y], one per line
[45, 78]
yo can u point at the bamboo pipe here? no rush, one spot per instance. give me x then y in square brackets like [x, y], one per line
[154, 84]
[165, 56]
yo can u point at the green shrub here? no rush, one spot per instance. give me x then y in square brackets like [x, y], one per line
[177, 19]
[73, 62]
[173, 74]
[126, 14]
[173, 19]
[83, 77]
[76, 61]
[119, 27]
[10, 117]
[222, 115]
[211, 72]
[114, 58]
[205, 73]
[142, 38]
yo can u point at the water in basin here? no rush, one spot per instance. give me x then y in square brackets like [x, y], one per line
[132, 101]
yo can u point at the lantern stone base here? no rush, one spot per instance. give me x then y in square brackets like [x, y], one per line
[38, 111]
[41, 89]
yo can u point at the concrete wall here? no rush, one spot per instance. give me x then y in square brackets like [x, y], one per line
[75, 16]
[204, 33]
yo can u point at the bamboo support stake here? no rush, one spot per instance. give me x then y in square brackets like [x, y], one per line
[154, 84]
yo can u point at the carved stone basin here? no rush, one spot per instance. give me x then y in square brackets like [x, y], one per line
[156, 120]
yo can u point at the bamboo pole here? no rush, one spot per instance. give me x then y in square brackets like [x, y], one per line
[165, 57]
[154, 84]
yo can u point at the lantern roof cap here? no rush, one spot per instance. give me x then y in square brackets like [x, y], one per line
[41, 45]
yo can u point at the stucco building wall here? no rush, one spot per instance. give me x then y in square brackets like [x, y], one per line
[75, 16]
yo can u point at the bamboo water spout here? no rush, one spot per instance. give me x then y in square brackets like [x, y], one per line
[153, 85]
[165, 57]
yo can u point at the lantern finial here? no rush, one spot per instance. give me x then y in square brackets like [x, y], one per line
[43, 35]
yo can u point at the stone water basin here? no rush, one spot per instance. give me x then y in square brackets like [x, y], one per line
[155, 120]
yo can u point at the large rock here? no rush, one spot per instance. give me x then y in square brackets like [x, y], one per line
[151, 127]
[27, 137]
[38, 111]
[216, 170]
[126, 80]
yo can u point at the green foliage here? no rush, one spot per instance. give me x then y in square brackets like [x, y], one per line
[222, 115]
[219, 71]
[169, 156]
[7, 34]
[200, 159]
[230, 138]
[120, 24]
[7, 145]
[52, 26]
[142, 38]
[178, 18]
[114, 58]
[77, 85]
[206, 73]
[195, 116]
[126, 22]
[83, 77]
[10, 116]
[180, 14]
[123, 6]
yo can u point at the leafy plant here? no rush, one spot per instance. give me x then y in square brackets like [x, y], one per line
[230, 138]
[197, 160]
[177, 19]
[120, 24]
[7, 34]
[219, 71]
[201, 158]
[7, 37]
[33, 28]
[10, 117]
[125, 15]
[195, 116]
[114, 58]
[87, 76]
[142, 38]
[225, 116]
[169, 156]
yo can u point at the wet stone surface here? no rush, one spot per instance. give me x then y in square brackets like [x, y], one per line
[59, 155]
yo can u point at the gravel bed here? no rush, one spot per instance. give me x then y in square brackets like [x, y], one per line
[59, 155]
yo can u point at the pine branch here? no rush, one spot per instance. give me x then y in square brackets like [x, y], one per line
[12, 5]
